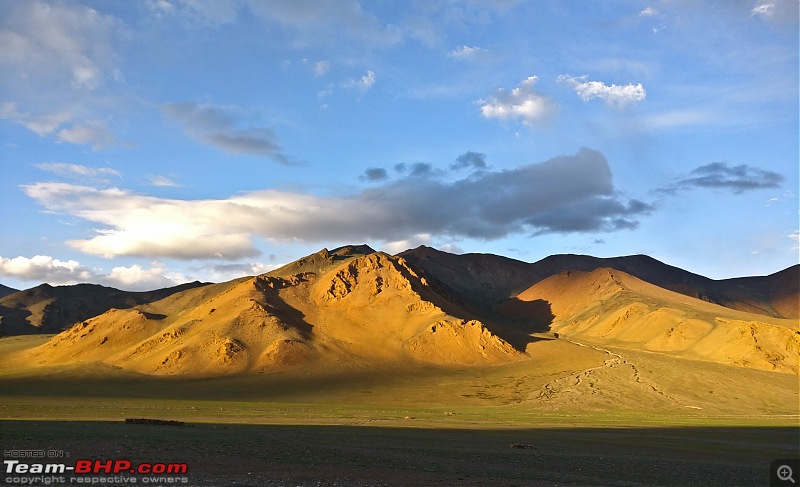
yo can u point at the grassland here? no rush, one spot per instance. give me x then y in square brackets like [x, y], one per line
[584, 416]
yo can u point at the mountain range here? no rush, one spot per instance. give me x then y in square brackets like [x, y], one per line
[355, 305]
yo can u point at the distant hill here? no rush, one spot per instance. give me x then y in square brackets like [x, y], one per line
[777, 294]
[485, 280]
[5, 290]
[51, 309]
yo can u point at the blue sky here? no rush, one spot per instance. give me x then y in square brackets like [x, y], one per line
[144, 144]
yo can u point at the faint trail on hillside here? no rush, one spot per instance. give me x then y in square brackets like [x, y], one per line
[588, 378]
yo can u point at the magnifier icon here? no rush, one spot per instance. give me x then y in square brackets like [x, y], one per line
[785, 473]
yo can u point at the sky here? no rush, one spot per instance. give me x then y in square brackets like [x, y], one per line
[150, 143]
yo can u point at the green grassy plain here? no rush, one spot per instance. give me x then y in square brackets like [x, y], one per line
[647, 420]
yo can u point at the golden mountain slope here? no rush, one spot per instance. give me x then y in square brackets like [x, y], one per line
[607, 306]
[340, 307]
[51, 309]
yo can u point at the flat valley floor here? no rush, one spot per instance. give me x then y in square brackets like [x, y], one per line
[570, 415]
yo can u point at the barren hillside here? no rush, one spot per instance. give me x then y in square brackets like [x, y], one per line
[342, 306]
[607, 306]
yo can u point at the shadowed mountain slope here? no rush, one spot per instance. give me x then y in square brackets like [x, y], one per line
[482, 281]
[5, 290]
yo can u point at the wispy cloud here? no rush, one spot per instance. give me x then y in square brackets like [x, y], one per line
[321, 67]
[364, 83]
[614, 95]
[795, 238]
[57, 42]
[562, 195]
[323, 21]
[681, 117]
[218, 126]
[468, 53]
[40, 124]
[777, 11]
[522, 102]
[94, 133]
[211, 14]
[77, 171]
[57, 62]
[720, 175]
[648, 12]
[162, 181]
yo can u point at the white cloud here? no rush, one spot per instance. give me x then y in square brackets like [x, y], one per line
[523, 102]
[364, 83]
[468, 53]
[562, 195]
[43, 268]
[777, 11]
[162, 181]
[149, 226]
[81, 172]
[648, 12]
[227, 272]
[161, 7]
[614, 95]
[411, 242]
[137, 277]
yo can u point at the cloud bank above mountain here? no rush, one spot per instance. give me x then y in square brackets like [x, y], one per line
[561, 195]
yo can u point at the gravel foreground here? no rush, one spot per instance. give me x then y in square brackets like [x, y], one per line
[326, 456]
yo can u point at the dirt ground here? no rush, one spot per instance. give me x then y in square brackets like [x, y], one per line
[270, 455]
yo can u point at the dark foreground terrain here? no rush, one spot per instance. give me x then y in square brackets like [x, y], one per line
[278, 455]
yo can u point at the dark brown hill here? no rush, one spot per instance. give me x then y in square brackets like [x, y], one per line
[780, 291]
[51, 309]
[5, 291]
[480, 282]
